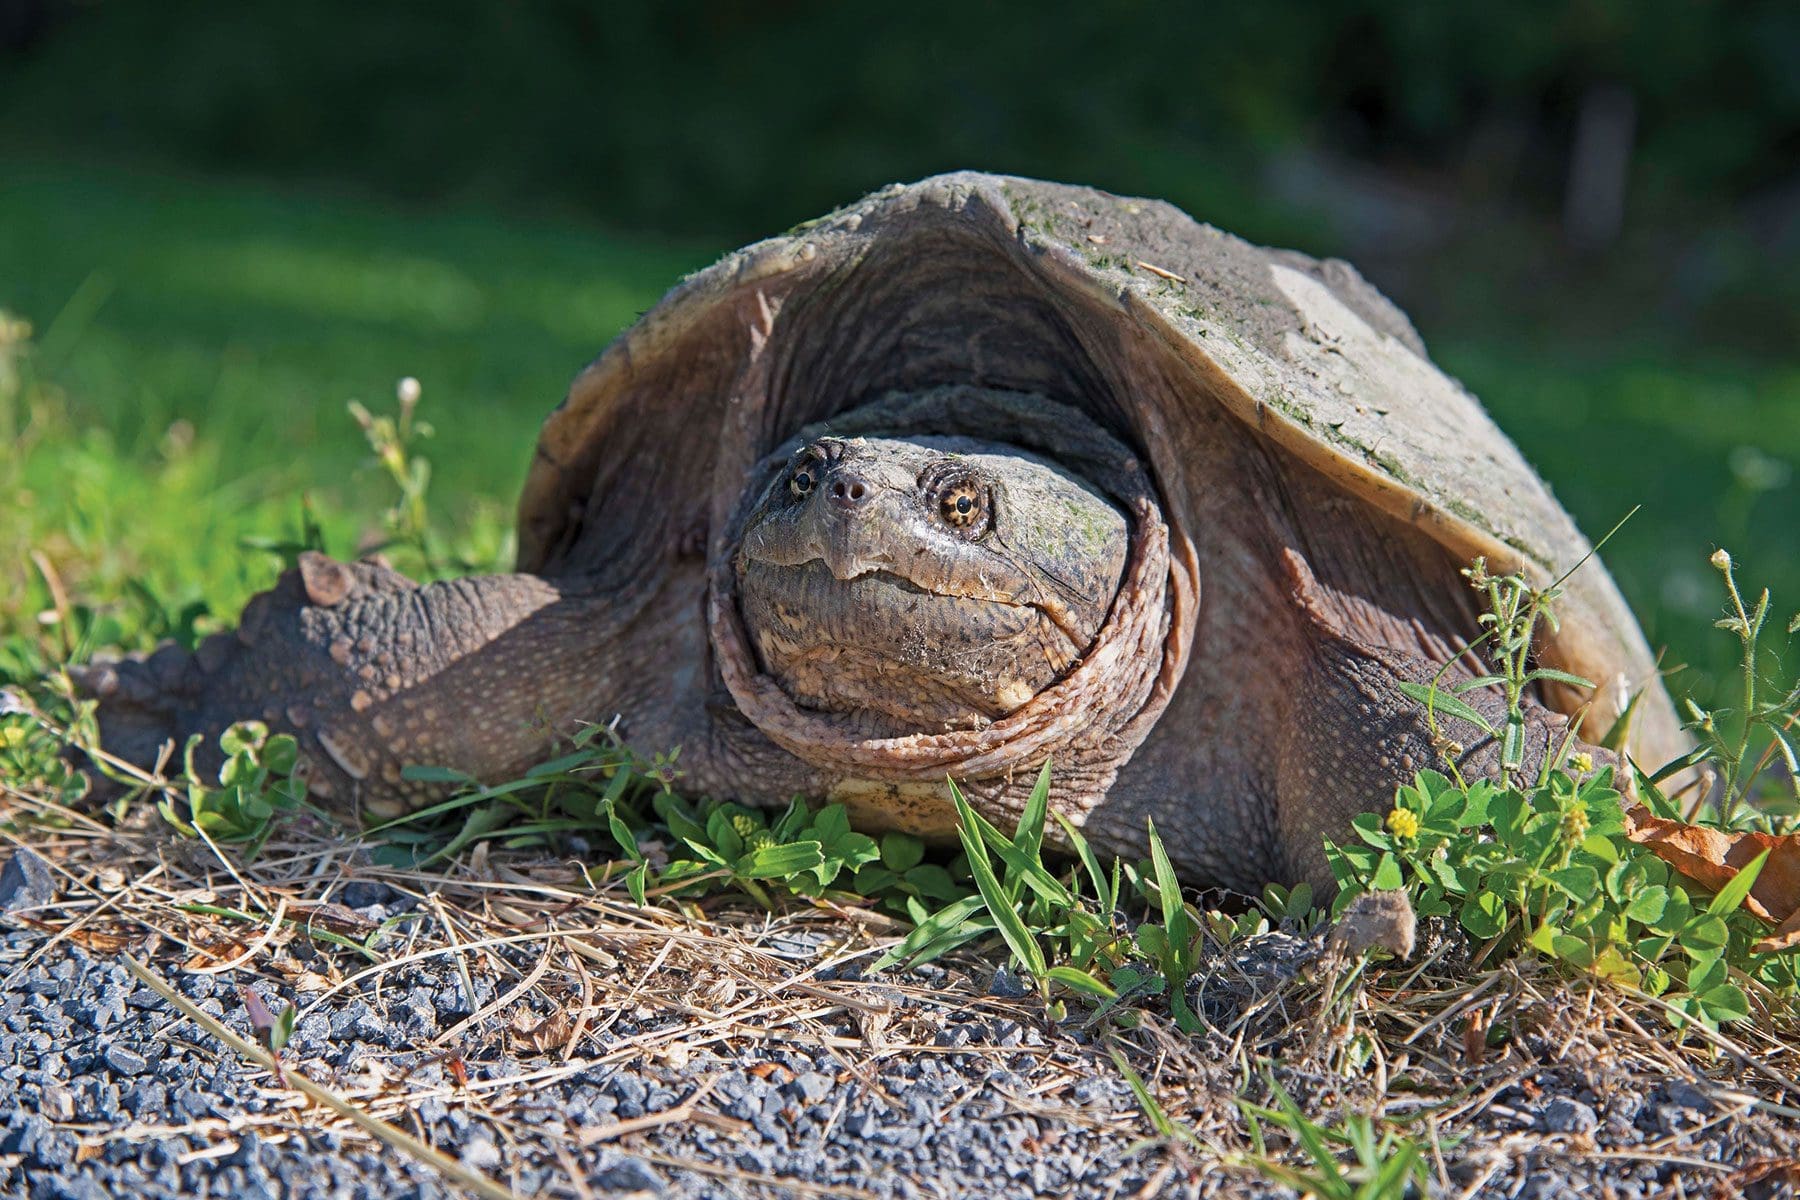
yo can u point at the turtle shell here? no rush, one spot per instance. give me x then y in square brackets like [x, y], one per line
[1127, 308]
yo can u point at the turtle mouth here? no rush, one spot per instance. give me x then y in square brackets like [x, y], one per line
[879, 643]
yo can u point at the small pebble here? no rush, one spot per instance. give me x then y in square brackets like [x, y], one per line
[124, 1060]
[26, 882]
[1563, 1115]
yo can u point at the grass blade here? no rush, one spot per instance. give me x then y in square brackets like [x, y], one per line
[1000, 906]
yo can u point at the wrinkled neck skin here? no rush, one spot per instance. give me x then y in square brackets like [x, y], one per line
[921, 589]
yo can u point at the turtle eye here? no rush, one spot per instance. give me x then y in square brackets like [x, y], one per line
[803, 482]
[963, 505]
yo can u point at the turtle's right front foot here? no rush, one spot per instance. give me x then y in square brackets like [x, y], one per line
[371, 672]
[275, 667]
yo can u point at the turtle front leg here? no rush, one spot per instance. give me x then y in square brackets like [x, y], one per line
[1352, 736]
[371, 672]
[1349, 735]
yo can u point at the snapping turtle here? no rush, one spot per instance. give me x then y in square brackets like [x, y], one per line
[976, 472]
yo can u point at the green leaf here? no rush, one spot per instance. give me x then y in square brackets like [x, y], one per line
[1706, 932]
[678, 817]
[283, 1028]
[1029, 838]
[1175, 917]
[792, 821]
[1556, 676]
[933, 881]
[1152, 941]
[281, 754]
[1480, 795]
[243, 737]
[418, 773]
[1619, 734]
[1610, 964]
[1725, 1002]
[1572, 950]
[1648, 905]
[1023, 866]
[622, 835]
[938, 934]
[1733, 893]
[780, 862]
[560, 766]
[1601, 847]
[1577, 883]
[1159, 1120]
[1706, 972]
[853, 850]
[1676, 913]
[1369, 827]
[1439, 700]
[479, 822]
[901, 851]
[831, 823]
[999, 905]
[1484, 915]
[723, 837]
[1387, 876]
[1103, 889]
[1082, 982]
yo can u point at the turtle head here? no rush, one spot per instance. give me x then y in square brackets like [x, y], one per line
[925, 583]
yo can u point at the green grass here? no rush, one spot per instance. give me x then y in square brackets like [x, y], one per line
[205, 336]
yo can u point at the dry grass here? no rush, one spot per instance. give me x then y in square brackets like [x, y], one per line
[582, 978]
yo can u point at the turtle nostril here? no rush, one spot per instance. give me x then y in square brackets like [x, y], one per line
[849, 492]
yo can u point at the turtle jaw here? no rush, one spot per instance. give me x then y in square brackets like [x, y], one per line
[893, 657]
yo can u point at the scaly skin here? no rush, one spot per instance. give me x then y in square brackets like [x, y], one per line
[372, 672]
[925, 584]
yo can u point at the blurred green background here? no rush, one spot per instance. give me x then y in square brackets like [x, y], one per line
[223, 221]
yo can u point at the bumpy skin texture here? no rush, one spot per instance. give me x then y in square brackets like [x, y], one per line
[1295, 483]
[936, 583]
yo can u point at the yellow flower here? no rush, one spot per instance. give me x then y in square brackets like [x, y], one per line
[1582, 761]
[1574, 826]
[1403, 824]
[744, 824]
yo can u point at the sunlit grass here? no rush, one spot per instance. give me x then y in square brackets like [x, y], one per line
[196, 346]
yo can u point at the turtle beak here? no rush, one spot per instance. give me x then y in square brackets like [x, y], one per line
[846, 499]
[840, 523]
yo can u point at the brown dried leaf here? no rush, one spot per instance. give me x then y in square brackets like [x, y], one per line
[544, 1035]
[213, 954]
[1772, 1174]
[1713, 857]
[1475, 1038]
[95, 941]
[334, 917]
[1785, 937]
[1376, 920]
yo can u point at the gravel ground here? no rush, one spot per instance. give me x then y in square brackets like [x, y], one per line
[945, 1083]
